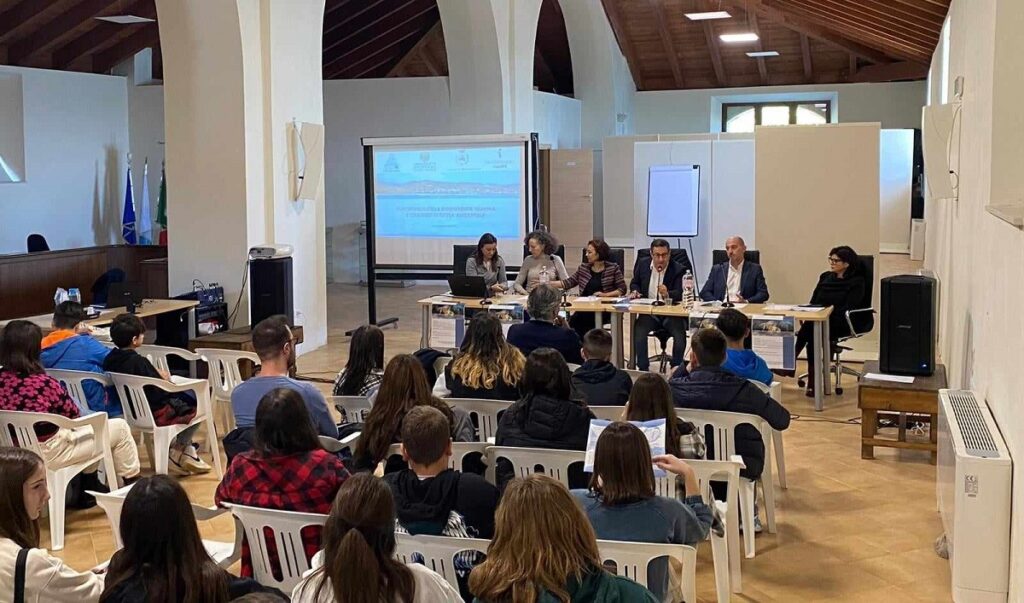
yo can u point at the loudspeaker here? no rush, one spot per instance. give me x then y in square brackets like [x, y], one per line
[270, 289]
[909, 314]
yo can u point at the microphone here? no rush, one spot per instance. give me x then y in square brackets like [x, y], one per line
[565, 299]
[726, 303]
[657, 295]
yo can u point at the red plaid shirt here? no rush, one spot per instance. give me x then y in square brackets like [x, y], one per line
[305, 482]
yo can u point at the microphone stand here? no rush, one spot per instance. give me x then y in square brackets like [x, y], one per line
[657, 296]
[726, 303]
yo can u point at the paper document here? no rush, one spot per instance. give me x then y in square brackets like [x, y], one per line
[892, 378]
[654, 430]
[774, 339]
[447, 325]
[586, 298]
[643, 301]
[780, 307]
[808, 308]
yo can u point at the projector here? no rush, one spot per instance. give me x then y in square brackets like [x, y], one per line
[270, 251]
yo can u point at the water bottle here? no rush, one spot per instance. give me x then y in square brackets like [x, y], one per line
[545, 278]
[75, 295]
[688, 297]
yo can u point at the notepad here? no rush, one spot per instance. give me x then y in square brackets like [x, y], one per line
[891, 378]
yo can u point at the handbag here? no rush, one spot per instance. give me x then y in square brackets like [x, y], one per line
[691, 441]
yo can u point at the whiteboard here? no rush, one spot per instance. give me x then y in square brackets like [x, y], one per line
[673, 200]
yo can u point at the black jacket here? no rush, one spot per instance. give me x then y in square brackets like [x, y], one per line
[600, 383]
[134, 590]
[673, 279]
[539, 421]
[842, 294]
[423, 505]
[535, 334]
[717, 389]
[458, 389]
[130, 362]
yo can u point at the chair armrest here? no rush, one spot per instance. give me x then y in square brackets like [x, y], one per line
[351, 439]
[738, 460]
[206, 513]
[849, 318]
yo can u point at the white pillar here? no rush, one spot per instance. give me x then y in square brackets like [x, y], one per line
[236, 73]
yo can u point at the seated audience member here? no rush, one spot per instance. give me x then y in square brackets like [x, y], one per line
[661, 279]
[621, 504]
[69, 347]
[541, 263]
[23, 496]
[710, 387]
[286, 469]
[544, 549]
[25, 387]
[650, 400]
[163, 558]
[365, 366]
[596, 277]
[128, 332]
[431, 498]
[545, 328]
[358, 559]
[842, 286]
[743, 281]
[735, 325]
[404, 386]
[487, 366]
[486, 262]
[272, 339]
[598, 380]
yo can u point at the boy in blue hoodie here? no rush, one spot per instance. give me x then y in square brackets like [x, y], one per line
[70, 347]
[740, 361]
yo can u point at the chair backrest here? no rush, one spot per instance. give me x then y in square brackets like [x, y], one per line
[864, 322]
[17, 429]
[608, 413]
[354, 407]
[101, 285]
[722, 425]
[37, 242]
[634, 374]
[72, 382]
[719, 256]
[679, 256]
[631, 560]
[484, 414]
[158, 354]
[286, 532]
[461, 253]
[131, 391]
[460, 450]
[224, 372]
[437, 552]
[526, 461]
[617, 255]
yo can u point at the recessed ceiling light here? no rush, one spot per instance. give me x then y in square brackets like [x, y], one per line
[763, 53]
[125, 19]
[717, 14]
[739, 37]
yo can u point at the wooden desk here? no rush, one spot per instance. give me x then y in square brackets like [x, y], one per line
[238, 339]
[149, 307]
[920, 397]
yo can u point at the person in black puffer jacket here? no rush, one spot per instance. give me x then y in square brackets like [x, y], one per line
[710, 387]
[545, 416]
[598, 381]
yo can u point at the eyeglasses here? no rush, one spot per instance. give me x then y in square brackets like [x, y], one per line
[835, 261]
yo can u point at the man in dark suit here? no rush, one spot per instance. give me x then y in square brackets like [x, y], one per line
[545, 329]
[743, 281]
[660, 279]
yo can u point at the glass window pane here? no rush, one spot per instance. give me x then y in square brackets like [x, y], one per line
[812, 113]
[739, 119]
[775, 115]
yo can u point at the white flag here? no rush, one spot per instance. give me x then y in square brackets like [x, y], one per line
[145, 224]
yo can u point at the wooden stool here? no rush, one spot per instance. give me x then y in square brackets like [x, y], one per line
[920, 397]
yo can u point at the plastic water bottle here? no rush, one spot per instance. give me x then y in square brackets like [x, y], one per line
[688, 297]
[545, 278]
[75, 295]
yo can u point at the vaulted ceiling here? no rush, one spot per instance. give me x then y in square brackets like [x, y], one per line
[819, 41]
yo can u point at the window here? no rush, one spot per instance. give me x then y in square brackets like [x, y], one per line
[742, 117]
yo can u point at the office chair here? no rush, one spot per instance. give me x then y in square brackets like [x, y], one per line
[560, 252]
[37, 242]
[719, 256]
[618, 256]
[461, 253]
[680, 257]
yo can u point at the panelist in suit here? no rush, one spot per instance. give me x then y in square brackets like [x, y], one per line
[743, 281]
[660, 279]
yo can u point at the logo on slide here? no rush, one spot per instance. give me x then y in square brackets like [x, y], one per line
[424, 157]
[391, 165]
[462, 158]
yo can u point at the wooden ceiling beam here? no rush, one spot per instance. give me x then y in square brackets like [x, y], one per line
[657, 6]
[366, 28]
[714, 50]
[935, 9]
[432, 65]
[332, 24]
[807, 27]
[415, 51]
[402, 20]
[826, 10]
[147, 36]
[98, 38]
[57, 27]
[852, 72]
[903, 13]
[762, 67]
[389, 39]
[888, 19]
[805, 51]
[611, 10]
[18, 14]
[892, 72]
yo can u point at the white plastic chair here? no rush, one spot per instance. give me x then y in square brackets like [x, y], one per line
[335, 445]
[72, 382]
[224, 376]
[130, 388]
[460, 450]
[635, 374]
[355, 408]
[224, 553]
[486, 411]
[728, 472]
[438, 552]
[17, 429]
[608, 413]
[287, 529]
[775, 391]
[554, 463]
[724, 424]
[158, 355]
[631, 559]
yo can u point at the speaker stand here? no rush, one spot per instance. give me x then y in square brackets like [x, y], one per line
[391, 320]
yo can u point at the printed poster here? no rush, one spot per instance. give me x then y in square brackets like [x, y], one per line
[654, 430]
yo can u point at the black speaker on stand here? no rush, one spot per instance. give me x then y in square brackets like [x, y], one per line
[270, 289]
[909, 313]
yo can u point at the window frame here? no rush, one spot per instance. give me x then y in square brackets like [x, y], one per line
[759, 105]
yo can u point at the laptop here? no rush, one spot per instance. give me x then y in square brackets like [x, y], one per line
[117, 291]
[468, 286]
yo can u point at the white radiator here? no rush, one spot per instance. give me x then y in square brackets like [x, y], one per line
[974, 488]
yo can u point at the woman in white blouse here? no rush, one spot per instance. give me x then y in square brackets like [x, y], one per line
[541, 261]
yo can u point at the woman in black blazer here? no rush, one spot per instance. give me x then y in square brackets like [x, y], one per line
[598, 277]
[841, 287]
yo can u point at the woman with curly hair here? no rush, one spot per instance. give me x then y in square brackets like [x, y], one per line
[541, 261]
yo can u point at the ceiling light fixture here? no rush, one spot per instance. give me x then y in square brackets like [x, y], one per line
[763, 53]
[735, 38]
[125, 19]
[717, 14]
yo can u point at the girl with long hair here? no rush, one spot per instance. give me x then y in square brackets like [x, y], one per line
[651, 399]
[487, 366]
[621, 505]
[23, 496]
[357, 564]
[544, 549]
[365, 365]
[486, 262]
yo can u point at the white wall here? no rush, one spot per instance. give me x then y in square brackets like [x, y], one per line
[557, 120]
[76, 143]
[145, 134]
[354, 109]
[976, 256]
[895, 105]
[896, 173]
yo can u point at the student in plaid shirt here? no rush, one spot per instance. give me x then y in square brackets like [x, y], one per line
[286, 469]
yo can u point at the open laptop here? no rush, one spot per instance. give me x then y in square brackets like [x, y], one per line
[468, 286]
[117, 291]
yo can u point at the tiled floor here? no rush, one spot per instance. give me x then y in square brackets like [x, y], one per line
[848, 529]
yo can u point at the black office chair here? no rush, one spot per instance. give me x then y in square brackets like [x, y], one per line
[618, 256]
[719, 256]
[101, 286]
[461, 253]
[680, 257]
[37, 242]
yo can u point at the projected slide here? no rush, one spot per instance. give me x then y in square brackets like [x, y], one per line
[450, 193]
[673, 200]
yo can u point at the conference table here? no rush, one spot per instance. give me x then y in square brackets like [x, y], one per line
[148, 307]
[817, 317]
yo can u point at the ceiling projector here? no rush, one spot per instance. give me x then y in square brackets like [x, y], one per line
[270, 251]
